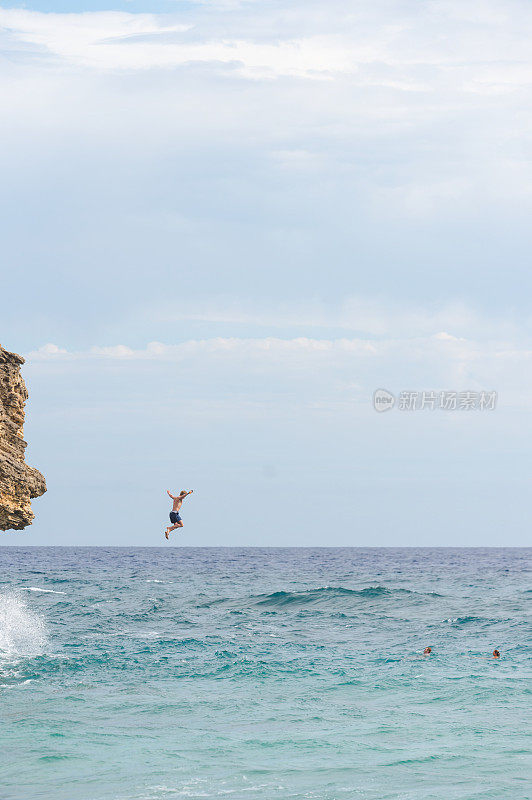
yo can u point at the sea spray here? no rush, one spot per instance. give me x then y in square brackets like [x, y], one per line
[22, 630]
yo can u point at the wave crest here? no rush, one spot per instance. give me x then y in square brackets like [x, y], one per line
[323, 594]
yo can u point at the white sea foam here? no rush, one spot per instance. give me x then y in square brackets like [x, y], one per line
[40, 589]
[22, 630]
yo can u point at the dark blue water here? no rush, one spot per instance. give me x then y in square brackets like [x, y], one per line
[158, 673]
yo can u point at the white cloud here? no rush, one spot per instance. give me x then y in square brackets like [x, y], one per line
[374, 44]
[114, 351]
[390, 175]
[218, 346]
[112, 40]
[327, 367]
[100, 39]
[436, 98]
[48, 351]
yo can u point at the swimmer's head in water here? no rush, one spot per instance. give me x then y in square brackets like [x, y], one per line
[496, 654]
[427, 651]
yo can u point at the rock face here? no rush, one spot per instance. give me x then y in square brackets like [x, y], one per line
[18, 482]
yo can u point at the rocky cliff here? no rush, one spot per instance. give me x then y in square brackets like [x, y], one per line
[18, 482]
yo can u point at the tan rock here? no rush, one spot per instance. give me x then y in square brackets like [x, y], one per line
[18, 482]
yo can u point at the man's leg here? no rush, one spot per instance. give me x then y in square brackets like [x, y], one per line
[169, 530]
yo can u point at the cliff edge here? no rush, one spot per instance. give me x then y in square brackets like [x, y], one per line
[18, 482]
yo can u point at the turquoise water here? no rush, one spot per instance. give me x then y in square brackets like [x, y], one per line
[158, 673]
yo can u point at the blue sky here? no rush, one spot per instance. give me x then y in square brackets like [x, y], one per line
[224, 224]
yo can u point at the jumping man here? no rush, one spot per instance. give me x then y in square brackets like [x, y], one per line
[175, 518]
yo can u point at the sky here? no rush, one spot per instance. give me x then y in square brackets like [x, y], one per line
[225, 224]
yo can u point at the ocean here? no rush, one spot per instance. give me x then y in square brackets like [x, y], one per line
[159, 673]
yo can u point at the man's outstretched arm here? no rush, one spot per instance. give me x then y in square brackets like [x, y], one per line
[170, 495]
